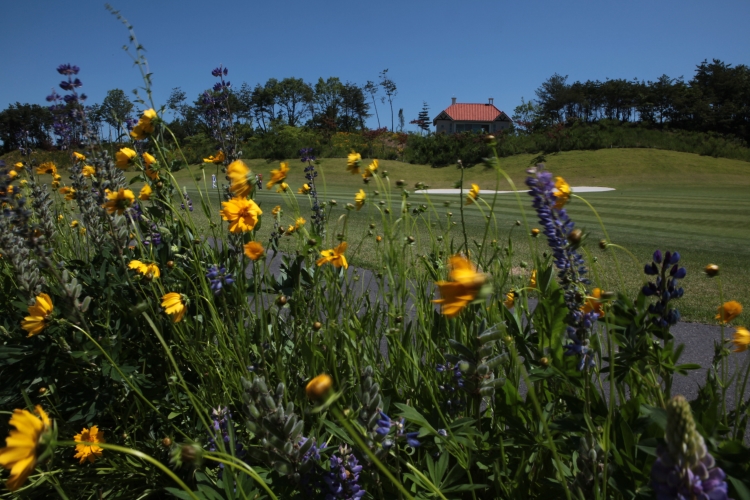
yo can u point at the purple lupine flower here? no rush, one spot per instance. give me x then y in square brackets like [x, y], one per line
[704, 481]
[68, 69]
[665, 287]
[342, 480]
[219, 277]
[318, 215]
[572, 270]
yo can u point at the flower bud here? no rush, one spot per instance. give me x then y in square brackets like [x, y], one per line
[535, 232]
[575, 236]
[318, 387]
[711, 270]
[372, 226]
[190, 454]
[281, 300]
[490, 139]
[683, 440]
[166, 442]
[317, 325]
[603, 244]
[42, 390]
[544, 361]
[400, 183]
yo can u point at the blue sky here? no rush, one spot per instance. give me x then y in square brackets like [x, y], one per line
[434, 50]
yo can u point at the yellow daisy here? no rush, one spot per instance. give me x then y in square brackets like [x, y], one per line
[78, 156]
[305, 189]
[278, 176]
[39, 315]
[740, 339]
[562, 192]
[145, 193]
[728, 311]
[241, 179]
[89, 452]
[359, 199]
[23, 445]
[150, 270]
[473, 194]
[69, 193]
[335, 256]
[241, 213]
[353, 161]
[219, 158]
[88, 171]
[47, 168]
[463, 288]
[119, 201]
[123, 158]
[174, 305]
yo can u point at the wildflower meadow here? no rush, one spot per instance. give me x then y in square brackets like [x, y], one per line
[157, 344]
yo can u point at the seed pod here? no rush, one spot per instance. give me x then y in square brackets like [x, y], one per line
[252, 427]
[253, 410]
[375, 389]
[372, 420]
[489, 336]
[367, 383]
[375, 403]
[269, 403]
[497, 360]
[280, 390]
[461, 349]
[365, 399]
[282, 467]
[288, 448]
[487, 391]
[467, 368]
[305, 447]
[260, 385]
[485, 351]
[280, 413]
[494, 383]
[296, 430]
[483, 369]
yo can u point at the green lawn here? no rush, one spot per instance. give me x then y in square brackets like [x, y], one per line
[663, 199]
[669, 200]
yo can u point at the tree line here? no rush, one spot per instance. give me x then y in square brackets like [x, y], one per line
[327, 105]
[715, 99]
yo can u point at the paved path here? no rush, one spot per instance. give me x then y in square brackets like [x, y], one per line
[577, 189]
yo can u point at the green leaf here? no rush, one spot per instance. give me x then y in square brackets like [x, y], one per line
[413, 416]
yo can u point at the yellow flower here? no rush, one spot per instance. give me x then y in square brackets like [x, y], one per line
[19, 165]
[254, 250]
[463, 288]
[150, 172]
[69, 193]
[510, 299]
[241, 179]
[473, 194]
[740, 339]
[78, 156]
[276, 210]
[359, 199]
[535, 232]
[291, 229]
[304, 189]
[174, 305]
[594, 303]
[23, 182]
[562, 192]
[148, 159]
[145, 193]
[39, 314]
[82, 231]
[299, 222]
[318, 387]
[88, 171]
[353, 161]
[119, 201]
[47, 168]
[279, 175]
[60, 217]
[219, 158]
[12, 174]
[23, 444]
[123, 158]
[283, 187]
[378, 238]
[728, 311]
[149, 270]
[89, 452]
[241, 213]
[55, 184]
[335, 256]
[371, 169]
[74, 224]
[532, 279]
[56, 177]
[145, 125]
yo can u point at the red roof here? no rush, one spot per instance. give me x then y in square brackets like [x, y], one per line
[473, 112]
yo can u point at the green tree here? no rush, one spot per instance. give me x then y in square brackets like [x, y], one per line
[372, 89]
[116, 109]
[25, 121]
[423, 118]
[294, 97]
[389, 87]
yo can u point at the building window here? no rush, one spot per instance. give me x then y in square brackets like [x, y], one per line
[472, 127]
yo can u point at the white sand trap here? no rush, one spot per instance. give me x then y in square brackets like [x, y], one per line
[576, 189]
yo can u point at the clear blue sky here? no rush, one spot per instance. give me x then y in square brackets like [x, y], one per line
[434, 50]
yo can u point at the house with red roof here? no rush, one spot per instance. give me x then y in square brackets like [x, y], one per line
[469, 117]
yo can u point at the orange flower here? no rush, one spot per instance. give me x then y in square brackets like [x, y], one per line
[24, 445]
[254, 250]
[78, 156]
[594, 303]
[562, 192]
[740, 339]
[318, 387]
[89, 452]
[728, 311]
[69, 193]
[219, 158]
[39, 315]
